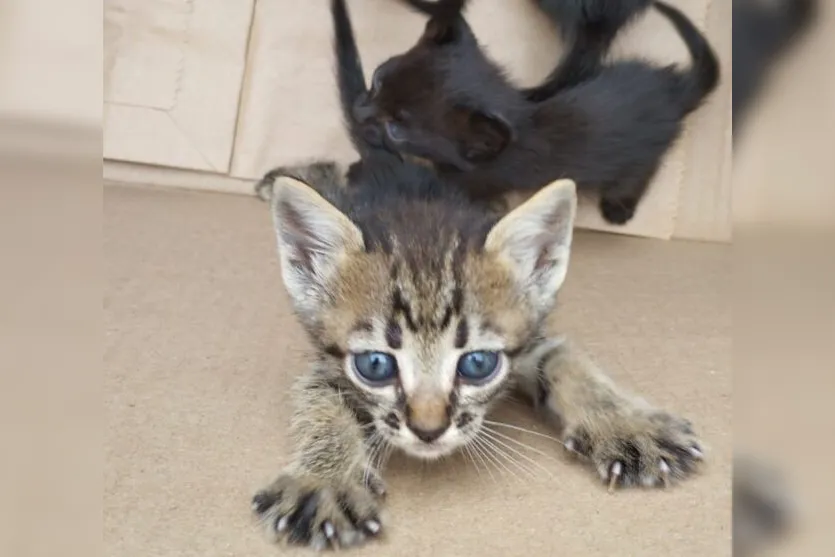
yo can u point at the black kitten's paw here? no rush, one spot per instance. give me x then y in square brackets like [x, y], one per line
[618, 211]
[638, 448]
[306, 510]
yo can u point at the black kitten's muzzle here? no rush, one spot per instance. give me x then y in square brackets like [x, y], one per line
[364, 110]
[366, 115]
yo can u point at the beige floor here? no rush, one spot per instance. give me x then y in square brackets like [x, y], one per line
[201, 347]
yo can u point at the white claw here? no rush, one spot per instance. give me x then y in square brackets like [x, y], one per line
[330, 531]
[570, 446]
[617, 469]
[665, 472]
[696, 453]
[282, 524]
[373, 526]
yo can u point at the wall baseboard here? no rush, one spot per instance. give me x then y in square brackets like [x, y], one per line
[133, 173]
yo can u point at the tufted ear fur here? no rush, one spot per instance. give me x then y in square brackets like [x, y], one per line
[314, 237]
[534, 241]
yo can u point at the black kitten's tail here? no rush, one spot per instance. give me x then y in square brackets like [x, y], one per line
[591, 26]
[703, 76]
[349, 75]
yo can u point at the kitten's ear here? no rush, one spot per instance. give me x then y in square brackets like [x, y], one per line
[313, 238]
[534, 241]
[486, 136]
[443, 25]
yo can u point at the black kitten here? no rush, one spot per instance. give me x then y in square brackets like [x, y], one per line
[590, 27]
[761, 34]
[381, 177]
[445, 101]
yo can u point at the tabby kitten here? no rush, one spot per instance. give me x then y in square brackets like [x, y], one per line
[423, 315]
[424, 308]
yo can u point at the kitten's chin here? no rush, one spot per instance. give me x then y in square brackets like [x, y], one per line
[429, 452]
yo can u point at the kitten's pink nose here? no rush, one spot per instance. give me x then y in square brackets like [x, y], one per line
[428, 417]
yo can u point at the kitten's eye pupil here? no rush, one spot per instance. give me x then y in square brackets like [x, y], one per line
[478, 366]
[375, 367]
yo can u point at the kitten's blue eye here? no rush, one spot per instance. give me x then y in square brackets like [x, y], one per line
[478, 366]
[395, 131]
[375, 367]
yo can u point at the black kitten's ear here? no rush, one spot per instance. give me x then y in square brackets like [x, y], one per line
[442, 26]
[486, 135]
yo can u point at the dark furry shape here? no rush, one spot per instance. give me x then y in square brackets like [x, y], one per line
[445, 101]
[383, 181]
[589, 27]
[382, 177]
[761, 35]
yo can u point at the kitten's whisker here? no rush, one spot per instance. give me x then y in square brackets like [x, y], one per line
[489, 457]
[376, 446]
[367, 466]
[468, 457]
[520, 443]
[382, 455]
[498, 451]
[486, 454]
[489, 434]
[520, 453]
[479, 451]
[522, 429]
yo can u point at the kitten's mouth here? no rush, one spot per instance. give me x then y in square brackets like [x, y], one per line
[435, 449]
[430, 451]
[443, 445]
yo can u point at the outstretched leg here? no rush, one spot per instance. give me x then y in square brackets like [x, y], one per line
[628, 441]
[329, 495]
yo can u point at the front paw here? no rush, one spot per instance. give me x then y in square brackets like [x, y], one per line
[306, 510]
[641, 448]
